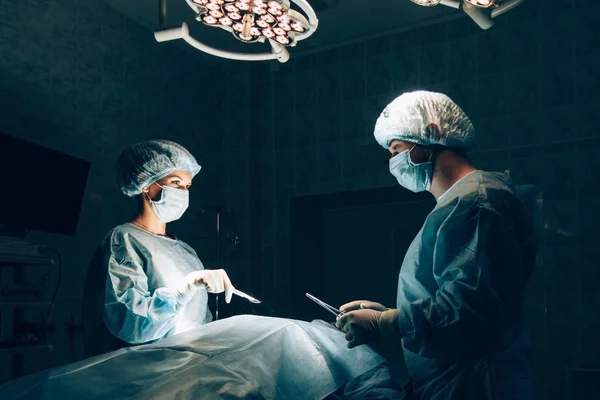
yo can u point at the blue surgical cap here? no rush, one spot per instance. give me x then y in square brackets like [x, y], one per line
[424, 118]
[144, 163]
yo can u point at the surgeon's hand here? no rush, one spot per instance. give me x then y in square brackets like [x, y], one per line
[360, 326]
[213, 280]
[367, 326]
[362, 305]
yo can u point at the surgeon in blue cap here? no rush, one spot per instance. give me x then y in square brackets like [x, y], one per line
[459, 311]
[145, 284]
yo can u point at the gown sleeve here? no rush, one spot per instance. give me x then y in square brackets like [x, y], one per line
[131, 312]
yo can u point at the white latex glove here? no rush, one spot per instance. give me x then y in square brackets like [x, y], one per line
[363, 305]
[213, 280]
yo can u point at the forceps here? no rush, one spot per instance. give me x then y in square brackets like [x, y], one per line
[326, 306]
[246, 296]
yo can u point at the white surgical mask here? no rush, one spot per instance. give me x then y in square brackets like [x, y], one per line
[172, 204]
[411, 176]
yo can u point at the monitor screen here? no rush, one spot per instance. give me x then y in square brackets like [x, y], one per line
[42, 189]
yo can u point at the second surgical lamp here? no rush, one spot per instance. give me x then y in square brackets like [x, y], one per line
[482, 12]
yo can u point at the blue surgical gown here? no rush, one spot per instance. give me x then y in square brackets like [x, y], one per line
[461, 291]
[130, 290]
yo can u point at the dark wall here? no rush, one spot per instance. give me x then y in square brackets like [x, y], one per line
[530, 86]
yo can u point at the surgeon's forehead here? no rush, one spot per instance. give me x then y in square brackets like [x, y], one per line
[183, 175]
[399, 143]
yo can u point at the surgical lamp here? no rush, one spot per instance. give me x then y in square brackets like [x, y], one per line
[482, 12]
[250, 21]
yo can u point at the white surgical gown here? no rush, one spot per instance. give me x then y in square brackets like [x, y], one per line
[461, 290]
[130, 289]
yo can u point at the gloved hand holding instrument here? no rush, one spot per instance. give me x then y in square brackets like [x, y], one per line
[366, 322]
[214, 281]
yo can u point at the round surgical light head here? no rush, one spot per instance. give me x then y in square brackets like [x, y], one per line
[256, 18]
[250, 21]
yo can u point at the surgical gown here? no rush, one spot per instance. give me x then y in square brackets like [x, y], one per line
[461, 290]
[129, 295]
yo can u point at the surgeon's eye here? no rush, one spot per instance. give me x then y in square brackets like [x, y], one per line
[394, 153]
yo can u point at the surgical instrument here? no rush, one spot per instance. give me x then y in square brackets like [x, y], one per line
[246, 296]
[326, 306]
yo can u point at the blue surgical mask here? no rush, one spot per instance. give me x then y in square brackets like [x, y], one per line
[172, 204]
[414, 177]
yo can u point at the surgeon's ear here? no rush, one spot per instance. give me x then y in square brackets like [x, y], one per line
[145, 193]
[428, 154]
[434, 150]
